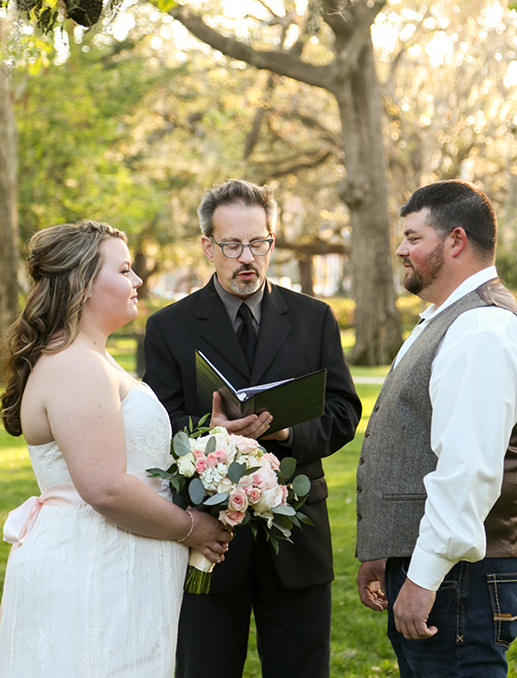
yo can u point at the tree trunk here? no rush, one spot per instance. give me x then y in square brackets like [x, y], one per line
[377, 324]
[9, 252]
[306, 277]
[352, 79]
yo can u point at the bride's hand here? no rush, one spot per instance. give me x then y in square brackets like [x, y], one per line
[209, 536]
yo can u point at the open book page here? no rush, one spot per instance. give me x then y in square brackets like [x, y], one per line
[247, 393]
[291, 401]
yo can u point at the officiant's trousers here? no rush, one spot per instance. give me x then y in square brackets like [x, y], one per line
[293, 628]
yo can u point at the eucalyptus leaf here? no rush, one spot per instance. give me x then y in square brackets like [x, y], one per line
[176, 486]
[211, 445]
[196, 491]
[283, 529]
[216, 499]
[284, 510]
[288, 467]
[181, 444]
[236, 471]
[281, 532]
[301, 485]
[284, 521]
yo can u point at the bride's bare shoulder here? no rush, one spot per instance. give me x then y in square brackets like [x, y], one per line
[75, 365]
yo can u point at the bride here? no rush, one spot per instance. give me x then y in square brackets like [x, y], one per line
[95, 576]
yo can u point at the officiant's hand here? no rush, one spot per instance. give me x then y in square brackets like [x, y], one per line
[209, 536]
[282, 436]
[252, 426]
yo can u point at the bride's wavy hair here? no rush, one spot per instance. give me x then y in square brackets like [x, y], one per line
[63, 262]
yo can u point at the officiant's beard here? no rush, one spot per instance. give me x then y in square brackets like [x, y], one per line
[242, 289]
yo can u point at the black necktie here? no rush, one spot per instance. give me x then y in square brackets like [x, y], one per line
[246, 333]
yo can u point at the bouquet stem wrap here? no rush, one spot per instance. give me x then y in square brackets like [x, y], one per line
[199, 573]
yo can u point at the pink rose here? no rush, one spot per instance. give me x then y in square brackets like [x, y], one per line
[245, 445]
[198, 453]
[212, 460]
[222, 455]
[264, 479]
[285, 492]
[254, 494]
[201, 464]
[238, 501]
[272, 459]
[231, 518]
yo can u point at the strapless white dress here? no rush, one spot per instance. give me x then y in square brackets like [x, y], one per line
[83, 598]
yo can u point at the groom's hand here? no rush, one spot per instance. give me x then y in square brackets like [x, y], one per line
[370, 584]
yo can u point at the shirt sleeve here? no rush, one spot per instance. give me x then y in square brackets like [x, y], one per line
[473, 391]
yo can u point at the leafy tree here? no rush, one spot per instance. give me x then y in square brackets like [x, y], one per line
[449, 74]
[363, 188]
[8, 211]
[333, 36]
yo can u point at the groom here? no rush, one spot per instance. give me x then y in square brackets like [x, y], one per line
[289, 334]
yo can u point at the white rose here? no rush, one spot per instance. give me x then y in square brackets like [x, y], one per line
[187, 465]
[225, 485]
[273, 496]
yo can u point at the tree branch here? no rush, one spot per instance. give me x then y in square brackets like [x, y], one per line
[313, 247]
[283, 63]
[315, 161]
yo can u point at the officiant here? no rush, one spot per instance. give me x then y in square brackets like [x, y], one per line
[256, 332]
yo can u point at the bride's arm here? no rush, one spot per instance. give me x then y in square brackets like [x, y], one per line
[82, 399]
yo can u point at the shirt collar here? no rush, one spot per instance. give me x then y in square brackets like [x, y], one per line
[232, 302]
[468, 285]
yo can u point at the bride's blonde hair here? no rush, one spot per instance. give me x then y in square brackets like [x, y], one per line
[63, 262]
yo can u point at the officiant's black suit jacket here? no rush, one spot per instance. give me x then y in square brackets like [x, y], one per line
[298, 334]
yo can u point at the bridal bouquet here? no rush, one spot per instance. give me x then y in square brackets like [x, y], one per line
[238, 482]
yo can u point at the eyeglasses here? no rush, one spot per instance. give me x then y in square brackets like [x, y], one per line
[232, 250]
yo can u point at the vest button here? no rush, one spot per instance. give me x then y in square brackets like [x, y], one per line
[361, 461]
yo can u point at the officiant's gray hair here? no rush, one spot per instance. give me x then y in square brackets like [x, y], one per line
[236, 191]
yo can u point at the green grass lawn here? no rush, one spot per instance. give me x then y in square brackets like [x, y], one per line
[359, 647]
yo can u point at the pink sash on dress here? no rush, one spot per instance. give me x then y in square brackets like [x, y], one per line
[20, 521]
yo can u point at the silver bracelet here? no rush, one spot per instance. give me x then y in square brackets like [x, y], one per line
[191, 527]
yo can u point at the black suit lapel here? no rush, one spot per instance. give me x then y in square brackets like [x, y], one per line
[274, 330]
[218, 331]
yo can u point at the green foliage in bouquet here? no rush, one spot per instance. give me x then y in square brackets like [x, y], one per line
[189, 486]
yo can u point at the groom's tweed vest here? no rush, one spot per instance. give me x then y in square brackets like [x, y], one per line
[397, 454]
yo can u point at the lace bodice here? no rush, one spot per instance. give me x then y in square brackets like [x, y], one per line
[147, 429]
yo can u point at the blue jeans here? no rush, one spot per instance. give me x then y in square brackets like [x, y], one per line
[476, 616]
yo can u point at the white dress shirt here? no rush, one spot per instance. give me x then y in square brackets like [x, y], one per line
[473, 391]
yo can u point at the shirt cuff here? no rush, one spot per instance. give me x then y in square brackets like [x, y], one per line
[427, 569]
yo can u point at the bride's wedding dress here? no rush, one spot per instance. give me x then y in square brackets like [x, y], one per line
[83, 598]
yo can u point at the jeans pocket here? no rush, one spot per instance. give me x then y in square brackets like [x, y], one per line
[503, 598]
